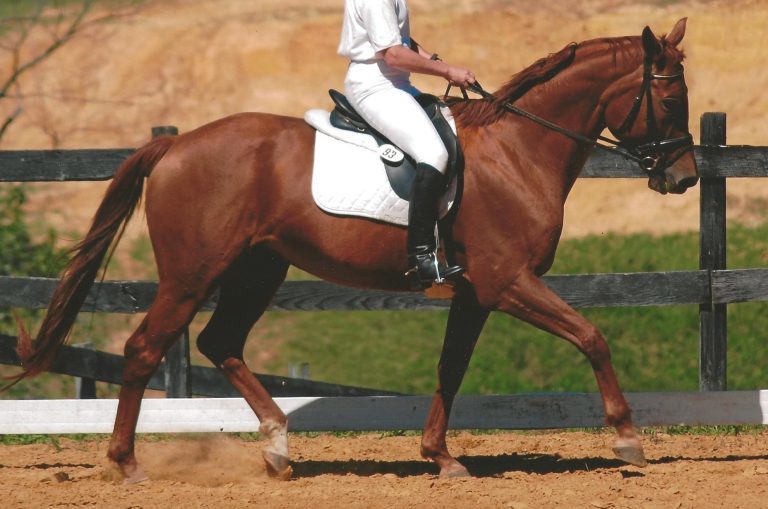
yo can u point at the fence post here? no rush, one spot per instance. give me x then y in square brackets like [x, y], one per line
[713, 328]
[300, 371]
[165, 130]
[85, 388]
[178, 382]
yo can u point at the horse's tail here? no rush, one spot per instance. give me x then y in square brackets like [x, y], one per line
[117, 207]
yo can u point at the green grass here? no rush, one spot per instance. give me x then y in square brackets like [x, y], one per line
[16, 8]
[52, 440]
[23, 14]
[19, 8]
[707, 430]
[649, 431]
[25, 439]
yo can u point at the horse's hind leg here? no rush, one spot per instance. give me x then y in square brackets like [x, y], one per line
[246, 290]
[172, 310]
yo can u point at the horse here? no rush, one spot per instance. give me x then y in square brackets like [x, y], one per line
[248, 176]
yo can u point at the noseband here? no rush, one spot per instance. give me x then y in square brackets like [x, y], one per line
[652, 156]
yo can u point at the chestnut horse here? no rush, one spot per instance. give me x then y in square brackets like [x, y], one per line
[229, 208]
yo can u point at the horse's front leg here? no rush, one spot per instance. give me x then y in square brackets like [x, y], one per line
[529, 299]
[465, 321]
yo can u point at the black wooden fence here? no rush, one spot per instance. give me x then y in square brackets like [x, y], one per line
[712, 287]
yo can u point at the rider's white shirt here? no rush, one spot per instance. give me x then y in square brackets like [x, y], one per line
[382, 94]
[371, 26]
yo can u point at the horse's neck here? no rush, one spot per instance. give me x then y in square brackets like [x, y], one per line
[571, 100]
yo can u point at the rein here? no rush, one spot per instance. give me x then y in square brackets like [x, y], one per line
[647, 155]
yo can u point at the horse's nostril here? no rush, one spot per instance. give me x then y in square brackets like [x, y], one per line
[688, 182]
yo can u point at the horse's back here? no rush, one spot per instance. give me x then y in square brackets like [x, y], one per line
[234, 148]
[241, 131]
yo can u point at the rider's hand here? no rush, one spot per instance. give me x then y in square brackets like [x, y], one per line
[459, 76]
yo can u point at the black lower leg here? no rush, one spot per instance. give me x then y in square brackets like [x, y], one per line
[428, 187]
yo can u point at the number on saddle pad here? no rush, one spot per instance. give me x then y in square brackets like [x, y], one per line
[391, 154]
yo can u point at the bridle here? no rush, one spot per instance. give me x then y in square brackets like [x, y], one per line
[652, 156]
[651, 153]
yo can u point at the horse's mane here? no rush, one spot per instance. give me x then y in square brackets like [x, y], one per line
[483, 112]
[479, 112]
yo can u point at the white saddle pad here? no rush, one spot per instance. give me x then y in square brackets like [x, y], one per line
[349, 178]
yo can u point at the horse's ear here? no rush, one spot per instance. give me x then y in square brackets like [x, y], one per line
[677, 33]
[650, 43]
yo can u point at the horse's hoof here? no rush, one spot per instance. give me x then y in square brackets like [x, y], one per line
[278, 466]
[135, 480]
[454, 471]
[632, 454]
[134, 476]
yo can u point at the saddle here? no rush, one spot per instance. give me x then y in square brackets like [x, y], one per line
[399, 166]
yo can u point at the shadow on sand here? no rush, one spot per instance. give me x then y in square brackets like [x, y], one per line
[490, 466]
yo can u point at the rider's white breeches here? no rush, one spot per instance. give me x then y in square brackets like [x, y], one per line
[384, 98]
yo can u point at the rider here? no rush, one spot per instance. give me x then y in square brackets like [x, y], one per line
[375, 37]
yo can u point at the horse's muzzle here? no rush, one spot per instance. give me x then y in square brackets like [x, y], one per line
[684, 184]
[677, 178]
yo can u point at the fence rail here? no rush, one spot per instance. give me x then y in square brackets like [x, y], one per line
[712, 287]
[381, 413]
[579, 290]
[715, 160]
[204, 381]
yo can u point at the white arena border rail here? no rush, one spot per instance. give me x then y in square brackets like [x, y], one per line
[522, 411]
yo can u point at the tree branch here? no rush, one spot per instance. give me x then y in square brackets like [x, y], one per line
[10, 119]
[60, 23]
[20, 69]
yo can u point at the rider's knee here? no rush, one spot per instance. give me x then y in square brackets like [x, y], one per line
[435, 156]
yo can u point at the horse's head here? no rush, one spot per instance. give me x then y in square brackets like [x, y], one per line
[650, 117]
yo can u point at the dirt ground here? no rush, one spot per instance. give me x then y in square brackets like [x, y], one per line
[511, 470]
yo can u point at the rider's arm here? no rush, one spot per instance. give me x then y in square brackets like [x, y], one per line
[401, 57]
[380, 21]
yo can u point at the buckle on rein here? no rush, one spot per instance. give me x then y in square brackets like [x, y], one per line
[649, 155]
[648, 163]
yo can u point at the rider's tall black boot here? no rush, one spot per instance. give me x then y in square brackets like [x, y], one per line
[428, 187]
